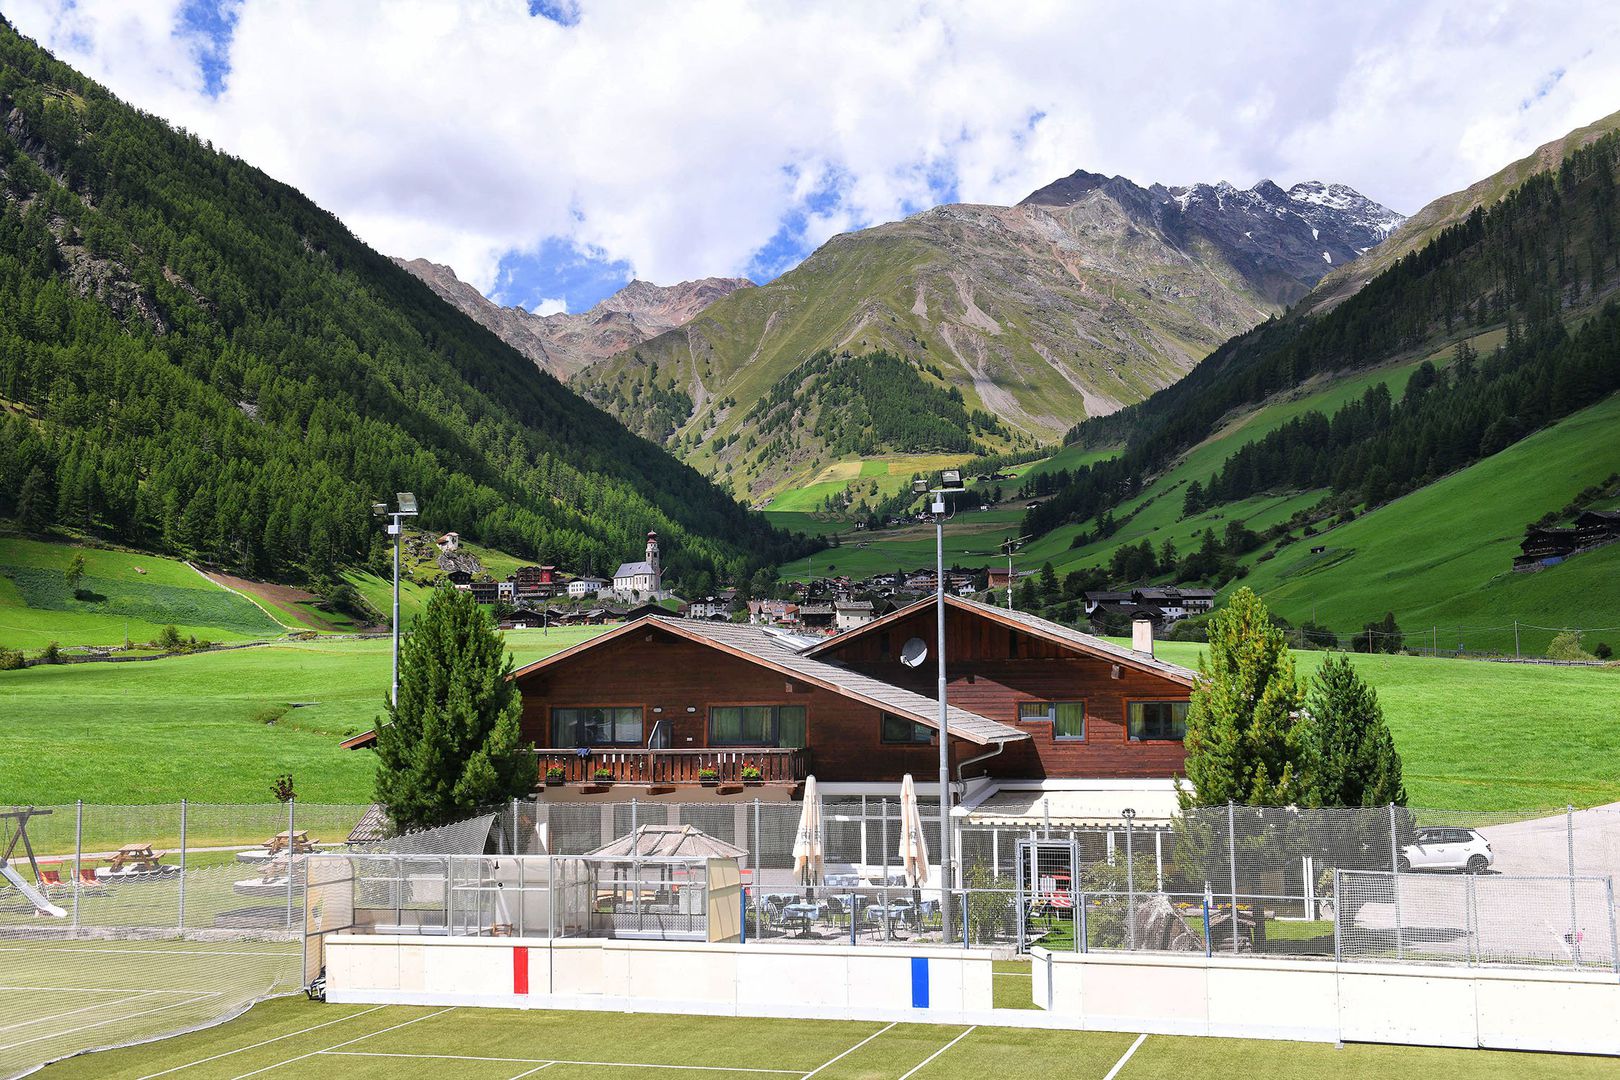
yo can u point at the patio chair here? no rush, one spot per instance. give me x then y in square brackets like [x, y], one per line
[88, 882]
[51, 879]
[837, 913]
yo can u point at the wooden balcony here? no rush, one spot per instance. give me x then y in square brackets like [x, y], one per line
[676, 767]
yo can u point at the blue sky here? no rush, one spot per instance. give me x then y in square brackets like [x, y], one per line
[550, 150]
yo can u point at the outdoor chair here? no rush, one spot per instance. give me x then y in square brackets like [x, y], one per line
[88, 881]
[51, 879]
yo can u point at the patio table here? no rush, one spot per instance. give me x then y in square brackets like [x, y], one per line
[888, 916]
[804, 914]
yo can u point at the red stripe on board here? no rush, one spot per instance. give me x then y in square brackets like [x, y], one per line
[520, 969]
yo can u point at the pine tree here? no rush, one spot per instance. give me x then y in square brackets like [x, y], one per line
[452, 743]
[1348, 752]
[1242, 735]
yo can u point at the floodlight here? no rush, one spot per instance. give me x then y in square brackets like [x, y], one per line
[951, 480]
[919, 487]
[379, 509]
[407, 502]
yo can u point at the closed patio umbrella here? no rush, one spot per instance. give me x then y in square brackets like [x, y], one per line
[913, 846]
[809, 853]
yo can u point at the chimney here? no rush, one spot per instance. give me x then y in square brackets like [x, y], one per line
[1142, 635]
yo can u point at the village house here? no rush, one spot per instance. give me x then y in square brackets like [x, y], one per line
[1037, 710]
[710, 607]
[773, 613]
[582, 587]
[852, 614]
[1544, 547]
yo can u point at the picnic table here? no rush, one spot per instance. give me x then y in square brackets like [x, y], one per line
[135, 860]
[298, 841]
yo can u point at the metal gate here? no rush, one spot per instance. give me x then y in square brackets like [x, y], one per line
[1048, 884]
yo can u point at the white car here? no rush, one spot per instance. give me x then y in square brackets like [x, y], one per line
[1437, 848]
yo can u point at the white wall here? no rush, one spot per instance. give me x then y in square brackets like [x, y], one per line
[1248, 997]
[1257, 997]
[657, 976]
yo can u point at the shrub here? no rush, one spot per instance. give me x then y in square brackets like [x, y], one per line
[1602, 651]
[169, 640]
[11, 659]
[282, 788]
[51, 654]
[1567, 646]
[989, 914]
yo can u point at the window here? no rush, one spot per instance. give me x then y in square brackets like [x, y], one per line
[897, 729]
[1158, 721]
[1068, 718]
[596, 726]
[757, 725]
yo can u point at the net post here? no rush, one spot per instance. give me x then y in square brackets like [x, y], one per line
[759, 892]
[1614, 946]
[1338, 920]
[292, 822]
[1574, 918]
[1470, 916]
[1231, 851]
[182, 898]
[1395, 880]
[1130, 886]
[78, 858]
[516, 850]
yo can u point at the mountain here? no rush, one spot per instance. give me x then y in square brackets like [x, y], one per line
[1086, 296]
[196, 359]
[1422, 227]
[1410, 432]
[565, 344]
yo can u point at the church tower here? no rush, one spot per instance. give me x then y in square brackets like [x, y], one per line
[652, 561]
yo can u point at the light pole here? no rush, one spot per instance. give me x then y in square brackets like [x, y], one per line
[406, 508]
[950, 481]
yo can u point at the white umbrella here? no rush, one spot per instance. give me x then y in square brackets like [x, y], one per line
[808, 853]
[913, 846]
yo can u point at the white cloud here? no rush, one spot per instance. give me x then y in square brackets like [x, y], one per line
[547, 306]
[680, 138]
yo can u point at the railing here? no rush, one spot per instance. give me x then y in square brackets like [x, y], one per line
[767, 765]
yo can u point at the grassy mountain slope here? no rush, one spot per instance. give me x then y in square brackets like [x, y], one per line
[1039, 313]
[196, 359]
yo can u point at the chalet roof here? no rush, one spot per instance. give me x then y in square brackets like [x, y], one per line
[1595, 517]
[631, 569]
[372, 826]
[784, 654]
[1042, 628]
[854, 605]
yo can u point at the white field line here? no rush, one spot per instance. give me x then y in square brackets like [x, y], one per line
[918, 1067]
[83, 1008]
[1013, 974]
[156, 952]
[532, 1071]
[549, 1061]
[347, 1042]
[101, 990]
[1126, 1056]
[846, 1053]
[104, 1023]
[266, 1042]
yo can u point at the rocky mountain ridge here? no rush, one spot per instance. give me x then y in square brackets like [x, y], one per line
[1088, 295]
[566, 343]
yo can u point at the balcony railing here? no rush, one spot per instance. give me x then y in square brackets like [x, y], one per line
[727, 765]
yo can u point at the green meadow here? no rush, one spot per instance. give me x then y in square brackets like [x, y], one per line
[217, 727]
[212, 727]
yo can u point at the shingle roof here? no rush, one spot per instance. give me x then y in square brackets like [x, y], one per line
[1087, 643]
[630, 569]
[773, 650]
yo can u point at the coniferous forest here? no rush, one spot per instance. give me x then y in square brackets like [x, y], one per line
[1548, 249]
[196, 359]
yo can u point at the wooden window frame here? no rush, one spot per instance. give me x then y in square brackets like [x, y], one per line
[551, 724]
[776, 724]
[1125, 726]
[1050, 719]
[916, 727]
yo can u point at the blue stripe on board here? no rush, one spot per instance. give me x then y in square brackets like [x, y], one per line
[919, 982]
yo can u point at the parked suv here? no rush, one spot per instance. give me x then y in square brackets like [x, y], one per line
[1447, 849]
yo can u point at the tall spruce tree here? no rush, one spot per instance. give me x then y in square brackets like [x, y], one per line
[452, 744]
[1242, 729]
[1349, 753]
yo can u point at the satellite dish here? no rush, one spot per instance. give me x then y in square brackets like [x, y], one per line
[914, 652]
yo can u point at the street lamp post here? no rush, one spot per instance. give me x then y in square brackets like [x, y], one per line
[406, 508]
[950, 481]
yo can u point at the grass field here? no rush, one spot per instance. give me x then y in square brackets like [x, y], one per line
[1476, 735]
[214, 727]
[290, 1037]
[124, 594]
[60, 997]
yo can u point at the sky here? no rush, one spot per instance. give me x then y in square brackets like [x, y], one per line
[551, 150]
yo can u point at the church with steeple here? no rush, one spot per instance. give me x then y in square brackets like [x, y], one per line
[643, 580]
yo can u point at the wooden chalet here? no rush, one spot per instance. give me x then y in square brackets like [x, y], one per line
[672, 707]
[1544, 547]
[1595, 527]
